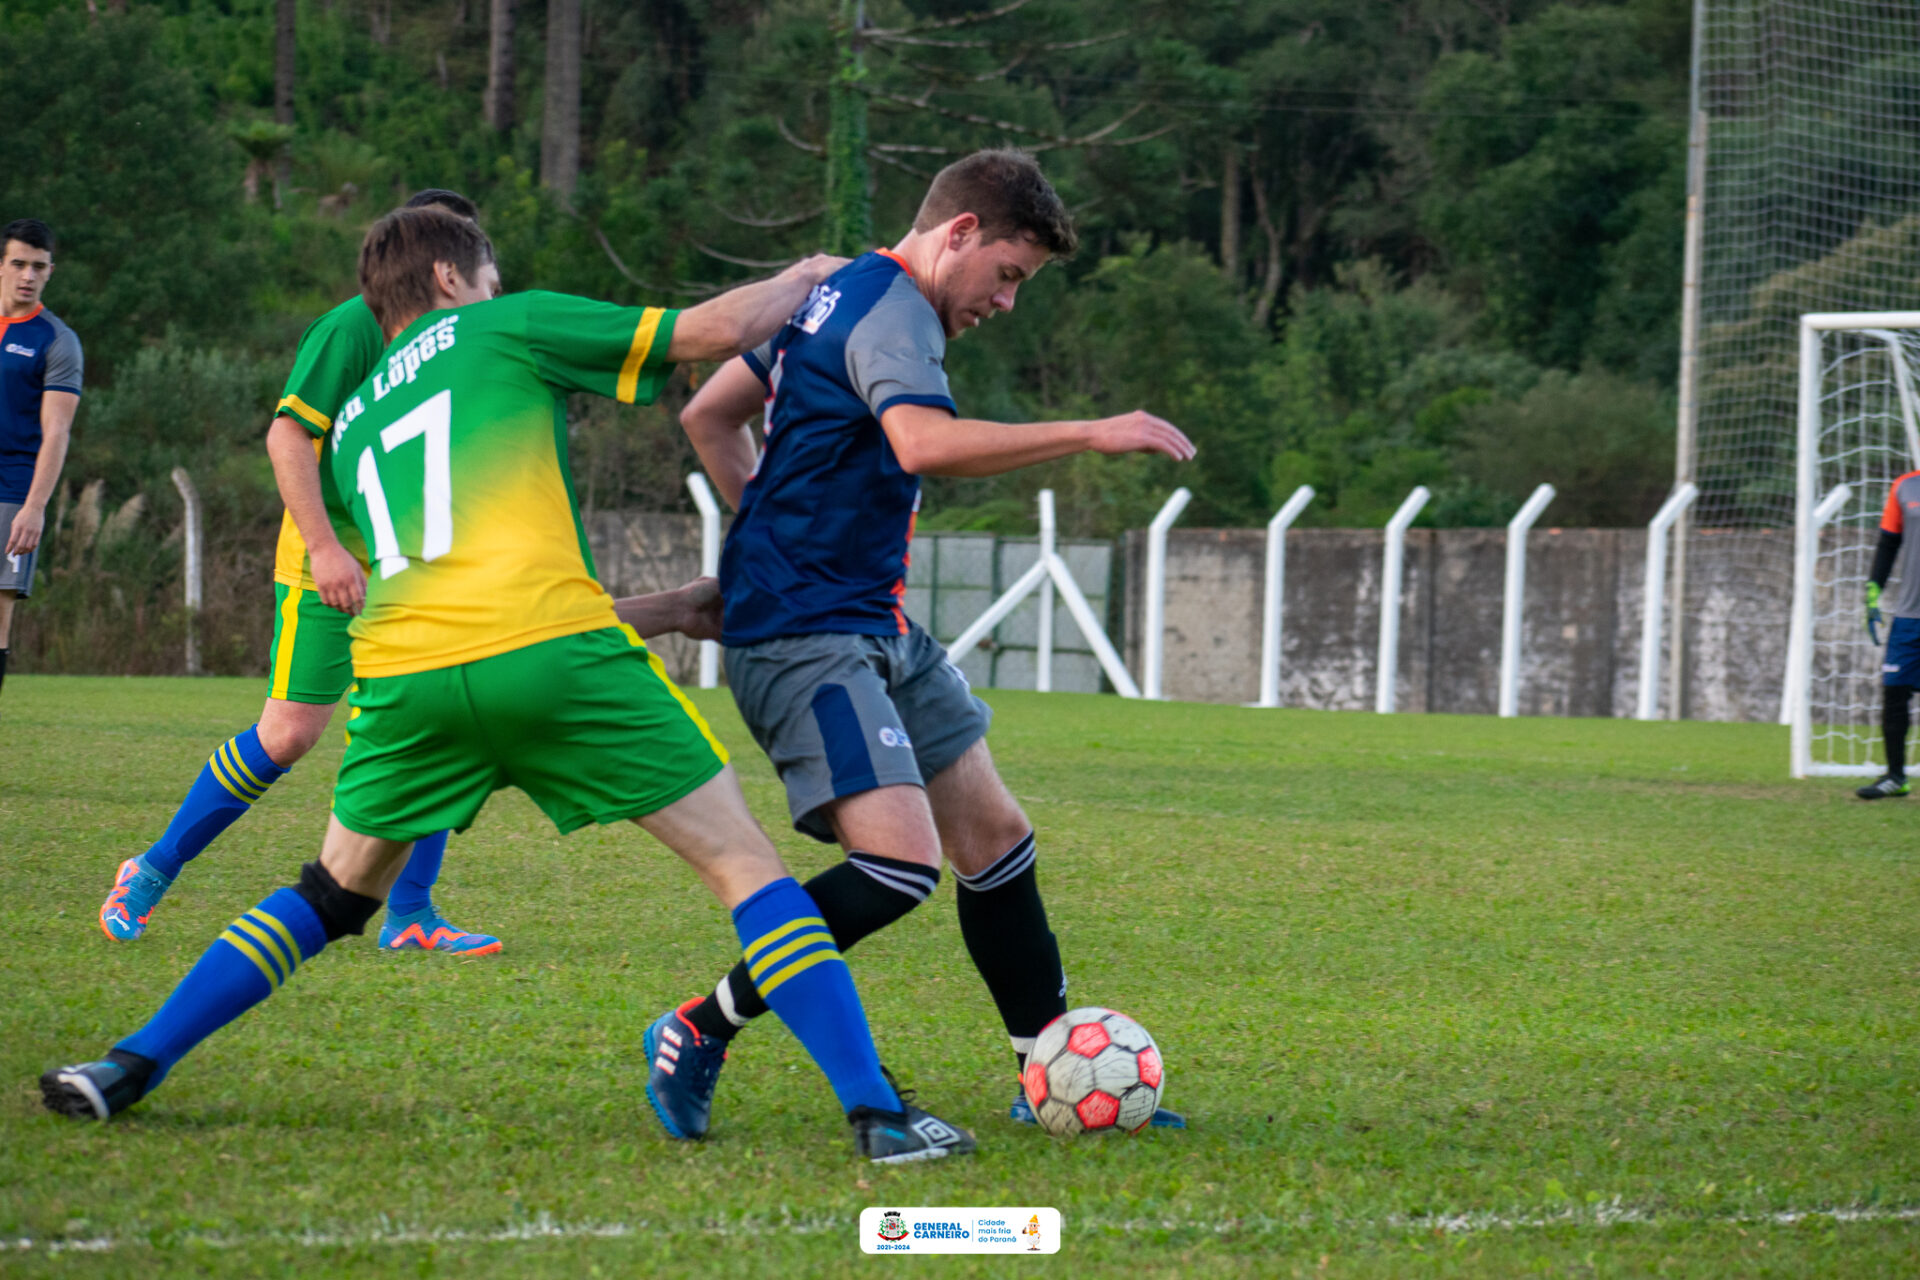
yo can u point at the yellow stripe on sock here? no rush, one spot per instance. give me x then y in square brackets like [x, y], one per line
[286, 935]
[766, 940]
[797, 945]
[246, 949]
[283, 652]
[812, 938]
[686, 705]
[799, 966]
[220, 775]
[239, 762]
[231, 765]
[267, 942]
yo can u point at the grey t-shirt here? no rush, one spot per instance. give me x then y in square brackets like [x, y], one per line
[1902, 598]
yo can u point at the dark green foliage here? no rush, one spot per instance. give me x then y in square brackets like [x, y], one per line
[1435, 204]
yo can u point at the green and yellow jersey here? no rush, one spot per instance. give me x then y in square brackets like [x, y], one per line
[452, 461]
[337, 353]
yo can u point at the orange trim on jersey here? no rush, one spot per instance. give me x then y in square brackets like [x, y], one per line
[899, 589]
[1892, 519]
[888, 253]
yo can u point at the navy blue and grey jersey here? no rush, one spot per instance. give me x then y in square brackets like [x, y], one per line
[820, 541]
[38, 353]
[1902, 600]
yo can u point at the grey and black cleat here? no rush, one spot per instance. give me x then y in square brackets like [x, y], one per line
[96, 1090]
[1884, 789]
[897, 1137]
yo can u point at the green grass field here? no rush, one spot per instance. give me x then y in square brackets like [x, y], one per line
[1443, 996]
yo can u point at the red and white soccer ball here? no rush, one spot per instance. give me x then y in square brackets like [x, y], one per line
[1093, 1071]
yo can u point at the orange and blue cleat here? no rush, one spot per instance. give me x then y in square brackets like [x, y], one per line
[427, 931]
[682, 1068]
[137, 890]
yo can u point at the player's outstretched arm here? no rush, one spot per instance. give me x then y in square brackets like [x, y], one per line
[341, 581]
[927, 440]
[741, 319]
[717, 420]
[692, 610]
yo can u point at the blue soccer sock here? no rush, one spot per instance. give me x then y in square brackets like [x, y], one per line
[234, 777]
[799, 973]
[244, 966]
[413, 891]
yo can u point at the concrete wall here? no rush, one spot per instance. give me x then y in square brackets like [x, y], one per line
[1580, 636]
[1580, 639]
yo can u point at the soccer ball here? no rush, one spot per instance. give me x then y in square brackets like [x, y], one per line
[1093, 1071]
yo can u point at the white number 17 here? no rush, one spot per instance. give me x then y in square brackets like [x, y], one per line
[434, 420]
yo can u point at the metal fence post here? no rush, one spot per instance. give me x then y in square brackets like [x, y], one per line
[190, 496]
[1153, 642]
[1272, 610]
[709, 567]
[1512, 608]
[1392, 570]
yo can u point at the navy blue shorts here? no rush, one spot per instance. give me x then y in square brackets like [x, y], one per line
[1902, 663]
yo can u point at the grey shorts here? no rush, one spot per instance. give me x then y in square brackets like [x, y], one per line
[16, 572]
[843, 714]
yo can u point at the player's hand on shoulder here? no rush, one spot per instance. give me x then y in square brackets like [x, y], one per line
[818, 267]
[1142, 432]
[338, 577]
[24, 534]
[702, 602]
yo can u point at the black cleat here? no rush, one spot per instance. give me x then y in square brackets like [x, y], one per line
[1884, 789]
[897, 1137]
[96, 1090]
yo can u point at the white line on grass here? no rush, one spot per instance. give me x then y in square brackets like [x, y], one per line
[1609, 1213]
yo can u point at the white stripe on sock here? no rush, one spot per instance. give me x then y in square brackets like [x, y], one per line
[1009, 866]
[724, 994]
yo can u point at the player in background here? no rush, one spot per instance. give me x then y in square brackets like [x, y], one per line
[40, 374]
[318, 584]
[1900, 670]
[879, 740]
[487, 655]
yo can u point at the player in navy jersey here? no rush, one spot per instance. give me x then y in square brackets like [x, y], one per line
[878, 739]
[40, 375]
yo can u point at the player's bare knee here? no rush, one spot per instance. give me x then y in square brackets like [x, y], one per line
[288, 730]
[893, 821]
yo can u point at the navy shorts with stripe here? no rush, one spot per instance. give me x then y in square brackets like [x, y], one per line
[1901, 666]
[843, 714]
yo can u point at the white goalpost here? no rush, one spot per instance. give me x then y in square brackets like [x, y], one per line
[1858, 431]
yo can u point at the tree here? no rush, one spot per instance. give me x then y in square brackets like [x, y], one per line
[560, 122]
[285, 46]
[500, 65]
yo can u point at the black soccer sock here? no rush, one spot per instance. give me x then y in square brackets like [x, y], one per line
[3, 667]
[1005, 927]
[857, 897]
[1894, 721]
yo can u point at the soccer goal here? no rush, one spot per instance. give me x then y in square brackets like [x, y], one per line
[1859, 430]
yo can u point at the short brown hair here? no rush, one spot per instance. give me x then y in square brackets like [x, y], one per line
[397, 257]
[1005, 189]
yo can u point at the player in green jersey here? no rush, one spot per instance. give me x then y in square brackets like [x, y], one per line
[488, 655]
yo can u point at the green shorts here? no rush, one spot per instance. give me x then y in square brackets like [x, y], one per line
[312, 653]
[588, 725]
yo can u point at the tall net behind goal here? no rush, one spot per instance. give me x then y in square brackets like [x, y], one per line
[1809, 144]
[1858, 431]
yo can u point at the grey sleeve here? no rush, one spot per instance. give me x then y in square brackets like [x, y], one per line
[66, 366]
[760, 359]
[897, 352]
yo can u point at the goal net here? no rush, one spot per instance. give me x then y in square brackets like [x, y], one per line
[1858, 431]
[1809, 143]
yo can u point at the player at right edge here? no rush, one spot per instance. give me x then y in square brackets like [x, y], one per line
[1900, 670]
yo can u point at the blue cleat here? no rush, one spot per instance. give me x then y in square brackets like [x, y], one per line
[427, 931]
[1021, 1112]
[682, 1068]
[137, 890]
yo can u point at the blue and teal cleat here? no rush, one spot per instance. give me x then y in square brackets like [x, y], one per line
[427, 931]
[1021, 1112]
[683, 1067]
[96, 1090]
[137, 890]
